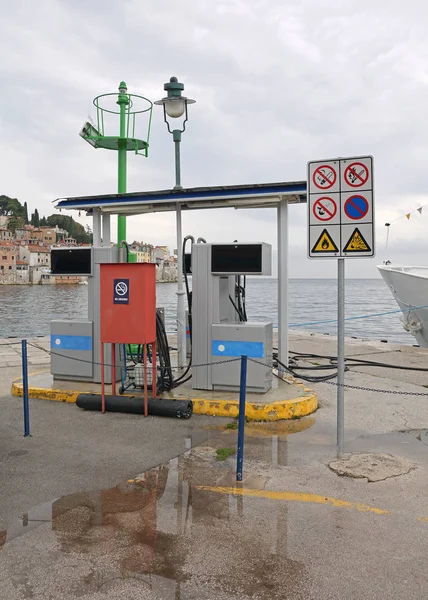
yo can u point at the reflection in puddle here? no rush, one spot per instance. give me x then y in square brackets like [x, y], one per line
[269, 428]
[161, 533]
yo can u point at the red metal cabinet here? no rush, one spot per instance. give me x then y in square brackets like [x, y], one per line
[128, 303]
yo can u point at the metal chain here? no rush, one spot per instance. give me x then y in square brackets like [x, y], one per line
[368, 389]
[258, 362]
[356, 387]
[82, 360]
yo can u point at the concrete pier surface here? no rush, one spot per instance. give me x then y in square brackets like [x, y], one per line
[117, 506]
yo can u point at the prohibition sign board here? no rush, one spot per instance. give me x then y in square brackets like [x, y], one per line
[356, 207]
[324, 177]
[356, 174]
[324, 209]
[341, 208]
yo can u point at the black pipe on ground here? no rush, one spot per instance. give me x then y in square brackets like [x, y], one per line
[181, 409]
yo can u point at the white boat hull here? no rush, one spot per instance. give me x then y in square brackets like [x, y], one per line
[409, 286]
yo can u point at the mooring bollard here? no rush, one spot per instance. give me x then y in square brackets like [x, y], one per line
[241, 418]
[25, 388]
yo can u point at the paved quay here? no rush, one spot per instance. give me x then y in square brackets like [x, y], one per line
[117, 506]
[10, 352]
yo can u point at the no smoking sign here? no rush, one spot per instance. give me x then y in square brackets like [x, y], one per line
[324, 177]
[121, 291]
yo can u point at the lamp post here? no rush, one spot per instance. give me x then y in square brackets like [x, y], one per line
[174, 107]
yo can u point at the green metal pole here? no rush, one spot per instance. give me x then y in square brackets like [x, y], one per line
[177, 139]
[123, 101]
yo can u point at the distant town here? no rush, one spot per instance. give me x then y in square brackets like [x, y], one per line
[25, 249]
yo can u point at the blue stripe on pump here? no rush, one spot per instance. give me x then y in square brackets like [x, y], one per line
[71, 342]
[231, 348]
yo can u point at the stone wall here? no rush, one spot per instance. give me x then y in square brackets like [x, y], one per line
[14, 277]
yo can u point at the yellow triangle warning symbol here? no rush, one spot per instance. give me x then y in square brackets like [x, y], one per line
[357, 243]
[325, 243]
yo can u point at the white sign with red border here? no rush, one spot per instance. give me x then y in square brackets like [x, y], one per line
[324, 209]
[324, 177]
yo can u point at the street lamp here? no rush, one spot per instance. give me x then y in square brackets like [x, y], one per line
[174, 107]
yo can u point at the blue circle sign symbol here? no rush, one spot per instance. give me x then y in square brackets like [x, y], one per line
[356, 207]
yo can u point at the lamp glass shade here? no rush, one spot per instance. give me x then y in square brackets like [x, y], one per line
[175, 107]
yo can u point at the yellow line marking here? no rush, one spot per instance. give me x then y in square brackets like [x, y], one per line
[423, 519]
[19, 379]
[293, 497]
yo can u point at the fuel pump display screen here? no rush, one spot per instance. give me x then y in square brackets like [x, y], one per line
[71, 261]
[236, 258]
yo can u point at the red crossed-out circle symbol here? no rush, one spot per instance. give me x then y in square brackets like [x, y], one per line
[324, 177]
[356, 174]
[324, 208]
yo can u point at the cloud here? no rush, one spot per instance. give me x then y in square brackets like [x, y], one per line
[277, 83]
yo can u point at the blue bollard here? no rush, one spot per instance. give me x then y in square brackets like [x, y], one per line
[241, 418]
[25, 388]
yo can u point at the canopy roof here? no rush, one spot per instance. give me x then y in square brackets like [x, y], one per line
[237, 196]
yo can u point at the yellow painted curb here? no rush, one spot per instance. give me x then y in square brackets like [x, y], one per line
[254, 411]
[257, 411]
[45, 393]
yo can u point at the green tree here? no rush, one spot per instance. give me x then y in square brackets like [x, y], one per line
[35, 218]
[15, 223]
[75, 230]
[11, 207]
[26, 213]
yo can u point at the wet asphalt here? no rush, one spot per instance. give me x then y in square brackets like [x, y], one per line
[118, 506]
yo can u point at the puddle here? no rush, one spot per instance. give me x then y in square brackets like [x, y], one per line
[420, 434]
[157, 535]
[13, 453]
[269, 428]
[423, 436]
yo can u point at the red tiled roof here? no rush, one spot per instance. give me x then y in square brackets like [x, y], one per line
[35, 248]
[21, 262]
[8, 244]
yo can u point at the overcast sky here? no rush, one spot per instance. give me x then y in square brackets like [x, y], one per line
[277, 83]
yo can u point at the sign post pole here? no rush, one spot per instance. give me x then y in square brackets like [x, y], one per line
[340, 355]
[341, 226]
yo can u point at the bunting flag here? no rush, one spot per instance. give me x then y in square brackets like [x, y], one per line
[409, 214]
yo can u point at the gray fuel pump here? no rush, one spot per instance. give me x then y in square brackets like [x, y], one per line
[75, 344]
[218, 333]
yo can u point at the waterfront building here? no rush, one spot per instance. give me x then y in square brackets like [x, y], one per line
[7, 256]
[48, 235]
[38, 258]
[6, 234]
